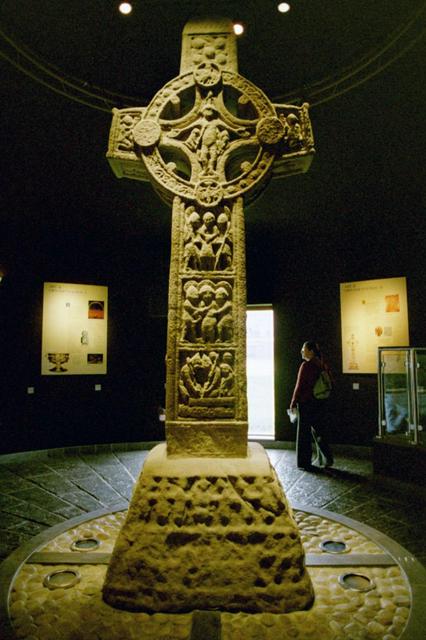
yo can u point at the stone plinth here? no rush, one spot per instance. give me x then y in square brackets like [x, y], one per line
[207, 439]
[204, 533]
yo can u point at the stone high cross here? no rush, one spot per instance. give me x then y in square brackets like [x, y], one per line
[208, 525]
[209, 142]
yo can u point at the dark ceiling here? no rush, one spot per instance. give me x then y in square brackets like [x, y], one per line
[135, 55]
[65, 64]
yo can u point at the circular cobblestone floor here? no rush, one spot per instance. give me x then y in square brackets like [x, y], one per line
[387, 609]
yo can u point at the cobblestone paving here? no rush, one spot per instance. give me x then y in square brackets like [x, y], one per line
[38, 491]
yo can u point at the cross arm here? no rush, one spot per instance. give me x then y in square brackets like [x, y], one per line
[296, 149]
[121, 150]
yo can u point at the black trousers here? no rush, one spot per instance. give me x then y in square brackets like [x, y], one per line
[311, 430]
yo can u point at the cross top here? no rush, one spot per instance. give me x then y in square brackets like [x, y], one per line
[209, 141]
[210, 134]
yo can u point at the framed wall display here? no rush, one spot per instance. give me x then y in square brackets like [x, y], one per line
[374, 314]
[74, 332]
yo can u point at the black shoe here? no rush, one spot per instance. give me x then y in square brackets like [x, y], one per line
[308, 467]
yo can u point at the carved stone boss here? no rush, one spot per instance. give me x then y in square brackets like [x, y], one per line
[209, 141]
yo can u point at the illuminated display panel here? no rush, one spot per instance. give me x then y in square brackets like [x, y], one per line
[74, 333]
[374, 313]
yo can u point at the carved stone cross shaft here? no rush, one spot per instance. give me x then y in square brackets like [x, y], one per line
[209, 141]
[208, 525]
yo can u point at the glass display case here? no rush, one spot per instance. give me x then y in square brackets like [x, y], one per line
[402, 394]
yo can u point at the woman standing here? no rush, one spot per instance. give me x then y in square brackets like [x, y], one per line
[311, 410]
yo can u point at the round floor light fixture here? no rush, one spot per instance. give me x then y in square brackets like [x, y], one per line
[334, 546]
[356, 582]
[85, 544]
[63, 579]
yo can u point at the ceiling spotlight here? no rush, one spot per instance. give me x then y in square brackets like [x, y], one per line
[283, 7]
[238, 29]
[125, 8]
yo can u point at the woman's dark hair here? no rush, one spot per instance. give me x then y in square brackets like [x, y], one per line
[313, 346]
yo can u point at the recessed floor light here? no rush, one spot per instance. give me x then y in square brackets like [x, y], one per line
[356, 582]
[85, 544]
[63, 579]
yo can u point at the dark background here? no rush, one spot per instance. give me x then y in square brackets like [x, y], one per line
[357, 214]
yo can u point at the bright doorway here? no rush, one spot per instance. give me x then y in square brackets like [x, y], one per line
[260, 372]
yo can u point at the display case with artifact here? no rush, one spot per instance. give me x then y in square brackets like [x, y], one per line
[399, 449]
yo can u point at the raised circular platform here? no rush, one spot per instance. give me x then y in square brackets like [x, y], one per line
[366, 587]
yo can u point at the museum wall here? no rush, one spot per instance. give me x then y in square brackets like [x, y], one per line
[301, 273]
[340, 222]
[67, 410]
[300, 277]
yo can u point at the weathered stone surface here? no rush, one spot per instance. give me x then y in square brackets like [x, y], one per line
[206, 533]
[207, 40]
[207, 439]
[206, 402]
[208, 141]
[38, 613]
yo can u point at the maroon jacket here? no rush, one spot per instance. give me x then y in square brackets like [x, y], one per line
[309, 372]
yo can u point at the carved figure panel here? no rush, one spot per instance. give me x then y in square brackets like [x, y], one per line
[207, 312]
[207, 384]
[207, 240]
[206, 316]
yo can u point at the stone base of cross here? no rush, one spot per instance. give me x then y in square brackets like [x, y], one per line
[209, 525]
